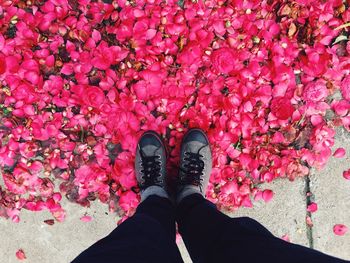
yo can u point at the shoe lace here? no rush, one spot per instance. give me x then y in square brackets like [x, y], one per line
[193, 169]
[151, 170]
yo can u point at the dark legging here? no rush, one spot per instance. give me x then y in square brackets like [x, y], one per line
[209, 235]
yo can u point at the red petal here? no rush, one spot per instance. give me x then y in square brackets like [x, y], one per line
[20, 254]
[346, 174]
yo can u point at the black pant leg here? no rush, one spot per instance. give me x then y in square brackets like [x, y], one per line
[211, 236]
[148, 236]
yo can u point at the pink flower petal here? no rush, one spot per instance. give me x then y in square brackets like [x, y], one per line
[67, 69]
[340, 229]
[96, 35]
[309, 221]
[86, 218]
[267, 195]
[339, 153]
[15, 219]
[229, 188]
[346, 174]
[285, 238]
[150, 33]
[20, 254]
[312, 207]
[2, 42]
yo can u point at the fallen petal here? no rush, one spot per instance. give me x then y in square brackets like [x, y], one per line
[312, 207]
[285, 238]
[340, 229]
[346, 174]
[86, 218]
[267, 195]
[50, 222]
[339, 153]
[20, 254]
[309, 221]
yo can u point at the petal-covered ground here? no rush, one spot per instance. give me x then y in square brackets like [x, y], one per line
[80, 81]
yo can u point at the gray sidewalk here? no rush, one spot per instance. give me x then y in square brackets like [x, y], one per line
[332, 194]
[284, 215]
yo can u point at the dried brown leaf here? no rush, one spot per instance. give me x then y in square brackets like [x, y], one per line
[50, 222]
[292, 30]
[302, 139]
[285, 11]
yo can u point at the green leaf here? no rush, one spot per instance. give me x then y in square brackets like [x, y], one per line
[181, 3]
[339, 39]
[6, 111]
[343, 26]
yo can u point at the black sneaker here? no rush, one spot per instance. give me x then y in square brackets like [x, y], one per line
[195, 164]
[150, 165]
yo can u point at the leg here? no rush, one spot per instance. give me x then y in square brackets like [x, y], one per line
[211, 236]
[148, 236]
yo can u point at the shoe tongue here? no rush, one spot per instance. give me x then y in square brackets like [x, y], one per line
[151, 150]
[194, 147]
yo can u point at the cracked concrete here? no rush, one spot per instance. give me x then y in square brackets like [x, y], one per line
[332, 194]
[307, 192]
[284, 215]
[61, 242]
